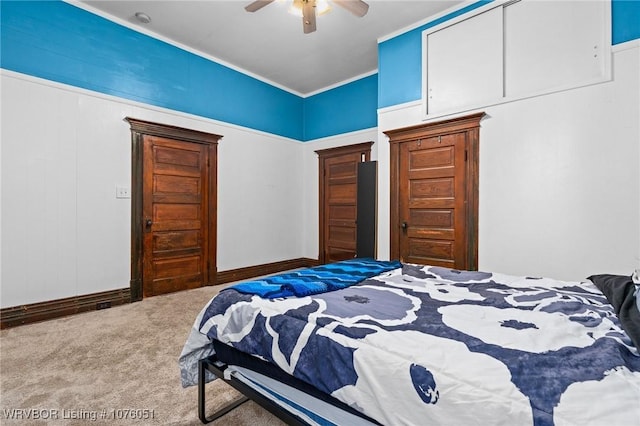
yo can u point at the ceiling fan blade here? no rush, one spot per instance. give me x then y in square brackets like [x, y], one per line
[357, 7]
[309, 16]
[257, 5]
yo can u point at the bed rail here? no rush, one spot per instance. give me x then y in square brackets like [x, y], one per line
[217, 367]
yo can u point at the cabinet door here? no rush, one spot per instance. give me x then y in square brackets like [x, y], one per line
[464, 64]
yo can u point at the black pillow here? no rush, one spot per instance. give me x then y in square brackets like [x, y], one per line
[620, 290]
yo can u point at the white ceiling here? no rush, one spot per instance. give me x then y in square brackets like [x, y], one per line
[269, 44]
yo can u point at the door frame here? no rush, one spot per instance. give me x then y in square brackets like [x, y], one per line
[324, 154]
[139, 129]
[471, 125]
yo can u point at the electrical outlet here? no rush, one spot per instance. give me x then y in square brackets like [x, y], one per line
[123, 192]
[102, 305]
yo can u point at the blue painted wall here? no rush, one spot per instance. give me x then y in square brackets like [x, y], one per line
[63, 43]
[343, 109]
[60, 42]
[400, 58]
[625, 20]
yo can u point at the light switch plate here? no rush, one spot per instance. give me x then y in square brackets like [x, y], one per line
[123, 192]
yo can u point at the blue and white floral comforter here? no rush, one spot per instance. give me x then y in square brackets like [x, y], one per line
[434, 346]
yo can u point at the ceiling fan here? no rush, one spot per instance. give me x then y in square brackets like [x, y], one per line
[308, 7]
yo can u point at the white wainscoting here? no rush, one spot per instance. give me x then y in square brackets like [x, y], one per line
[64, 151]
[559, 178]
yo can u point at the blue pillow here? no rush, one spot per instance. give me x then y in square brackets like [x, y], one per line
[621, 292]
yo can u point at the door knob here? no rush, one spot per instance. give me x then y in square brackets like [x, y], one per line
[404, 226]
[148, 223]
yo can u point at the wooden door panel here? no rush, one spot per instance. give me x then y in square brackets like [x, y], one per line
[431, 218]
[178, 212]
[342, 212]
[342, 168]
[342, 236]
[426, 187]
[177, 266]
[177, 198]
[175, 204]
[183, 282]
[177, 225]
[338, 200]
[169, 241]
[176, 170]
[433, 200]
[434, 192]
[432, 252]
[336, 254]
[173, 208]
[171, 285]
[342, 193]
[437, 203]
[175, 155]
[430, 234]
[175, 252]
[176, 217]
[174, 185]
[437, 156]
[341, 231]
[340, 224]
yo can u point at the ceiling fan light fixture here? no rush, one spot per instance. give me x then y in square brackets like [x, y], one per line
[310, 9]
[322, 7]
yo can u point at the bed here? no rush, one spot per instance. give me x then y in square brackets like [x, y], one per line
[374, 342]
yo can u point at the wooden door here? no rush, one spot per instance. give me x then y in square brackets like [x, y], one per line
[434, 193]
[338, 169]
[173, 209]
[174, 215]
[432, 201]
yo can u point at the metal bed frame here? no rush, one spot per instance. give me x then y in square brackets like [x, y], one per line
[217, 367]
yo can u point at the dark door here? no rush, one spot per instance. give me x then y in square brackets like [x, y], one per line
[432, 201]
[367, 205]
[434, 193]
[338, 200]
[173, 208]
[175, 215]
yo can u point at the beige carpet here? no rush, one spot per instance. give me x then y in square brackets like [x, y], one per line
[100, 364]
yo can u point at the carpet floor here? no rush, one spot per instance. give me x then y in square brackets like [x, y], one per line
[100, 367]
